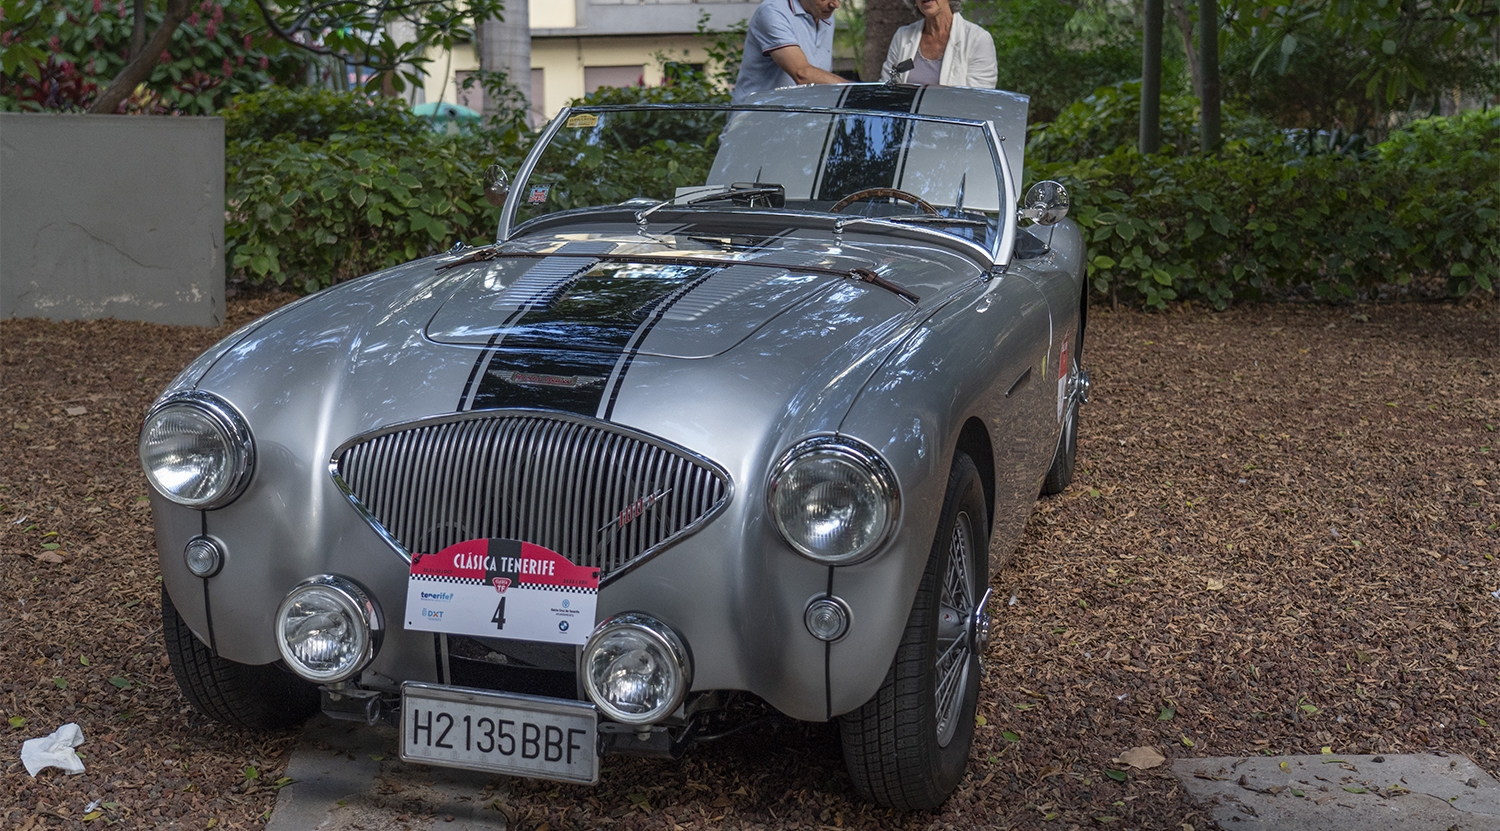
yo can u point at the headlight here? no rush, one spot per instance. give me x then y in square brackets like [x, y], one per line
[327, 629]
[635, 669]
[833, 499]
[197, 451]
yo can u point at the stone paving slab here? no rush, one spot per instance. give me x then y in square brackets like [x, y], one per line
[349, 776]
[1344, 793]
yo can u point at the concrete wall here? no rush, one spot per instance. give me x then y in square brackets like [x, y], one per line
[112, 216]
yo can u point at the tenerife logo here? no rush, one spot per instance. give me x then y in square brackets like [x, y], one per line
[634, 510]
[440, 597]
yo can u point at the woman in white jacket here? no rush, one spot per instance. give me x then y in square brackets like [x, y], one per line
[943, 49]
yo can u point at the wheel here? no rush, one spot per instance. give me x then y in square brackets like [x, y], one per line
[908, 746]
[260, 697]
[1060, 475]
[889, 193]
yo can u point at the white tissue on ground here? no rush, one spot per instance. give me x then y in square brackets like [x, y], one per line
[54, 751]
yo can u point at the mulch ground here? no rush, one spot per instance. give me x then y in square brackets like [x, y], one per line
[1282, 538]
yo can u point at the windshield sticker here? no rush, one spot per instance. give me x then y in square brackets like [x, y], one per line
[584, 120]
[502, 589]
[538, 194]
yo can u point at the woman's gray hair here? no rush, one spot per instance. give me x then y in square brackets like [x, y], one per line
[952, 5]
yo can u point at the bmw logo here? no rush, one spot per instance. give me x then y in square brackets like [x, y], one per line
[566, 603]
[562, 626]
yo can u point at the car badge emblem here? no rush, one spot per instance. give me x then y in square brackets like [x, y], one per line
[634, 510]
[501, 584]
[540, 379]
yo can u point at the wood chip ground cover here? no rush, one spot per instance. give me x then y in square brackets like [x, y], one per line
[1283, 536]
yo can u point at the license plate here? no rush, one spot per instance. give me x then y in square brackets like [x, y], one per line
[519, 735]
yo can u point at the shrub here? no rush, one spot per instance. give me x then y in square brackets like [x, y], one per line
[315, 115]
[1424, 208]
[349, 187]
[1110, 118]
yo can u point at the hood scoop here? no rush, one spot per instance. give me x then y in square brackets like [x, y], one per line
[679, 308]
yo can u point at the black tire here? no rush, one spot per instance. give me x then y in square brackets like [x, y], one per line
[1060, 475]
[259, 697]
[905, 748]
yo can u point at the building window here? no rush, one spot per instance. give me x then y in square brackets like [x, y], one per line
[595, 77]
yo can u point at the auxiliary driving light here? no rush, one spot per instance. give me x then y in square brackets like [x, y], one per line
[827, 618]
[328, 629]
[204, 556]
[635, 669]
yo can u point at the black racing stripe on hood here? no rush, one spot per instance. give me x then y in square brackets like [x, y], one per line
[559, 355]
[889, 99]
[544, 379]
[635, 343]
[862, 152]
[556, 271]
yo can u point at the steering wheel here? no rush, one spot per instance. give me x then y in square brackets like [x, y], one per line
[877, 193]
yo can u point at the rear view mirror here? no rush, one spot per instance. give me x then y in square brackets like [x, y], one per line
[1046, 203]
[496, 185]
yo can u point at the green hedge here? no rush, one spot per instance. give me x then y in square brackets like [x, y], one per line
[1260, 219]
[322, 187]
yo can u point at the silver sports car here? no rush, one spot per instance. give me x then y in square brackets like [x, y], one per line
[735, 418]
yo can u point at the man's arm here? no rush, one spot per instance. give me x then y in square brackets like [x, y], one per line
[794, 63]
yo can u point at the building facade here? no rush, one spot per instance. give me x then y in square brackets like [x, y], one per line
[578, 46]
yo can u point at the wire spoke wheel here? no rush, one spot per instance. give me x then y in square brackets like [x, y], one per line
[908, 746]
[956, 606]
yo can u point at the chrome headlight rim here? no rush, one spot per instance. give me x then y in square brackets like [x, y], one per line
[369, 625]
[863, 457]
[660, 634]
[232, 428]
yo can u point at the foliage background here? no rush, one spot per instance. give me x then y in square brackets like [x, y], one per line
[1332, 183]
[58, 56]
[326, 186]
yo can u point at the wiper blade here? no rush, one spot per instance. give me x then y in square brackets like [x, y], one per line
[924, 219]
[775, 196]
[488, 252]
[739, 190]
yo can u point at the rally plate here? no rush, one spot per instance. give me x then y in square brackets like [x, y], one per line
[518, 735]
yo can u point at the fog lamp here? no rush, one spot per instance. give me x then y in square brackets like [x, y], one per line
[635, 669]
[827, 618]
[327, 629]
[204, 556]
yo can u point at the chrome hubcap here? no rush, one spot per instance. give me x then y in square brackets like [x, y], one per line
[957, 629]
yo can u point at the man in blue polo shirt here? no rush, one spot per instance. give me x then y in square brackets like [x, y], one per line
[789, 42]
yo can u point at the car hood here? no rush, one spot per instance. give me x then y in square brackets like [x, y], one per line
[601, 327]
[673, 301]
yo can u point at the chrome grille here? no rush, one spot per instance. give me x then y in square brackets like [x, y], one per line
[593, 492]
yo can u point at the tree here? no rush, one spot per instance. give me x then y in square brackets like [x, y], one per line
[1208, 68]
[1150, 138]
[1386, 52]
[882, 19]
[59, 59]
[504, 46]
[357, 33]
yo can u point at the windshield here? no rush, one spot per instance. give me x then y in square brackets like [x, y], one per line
[909, 169]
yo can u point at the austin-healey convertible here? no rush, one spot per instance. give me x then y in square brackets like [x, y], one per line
[736, 416]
